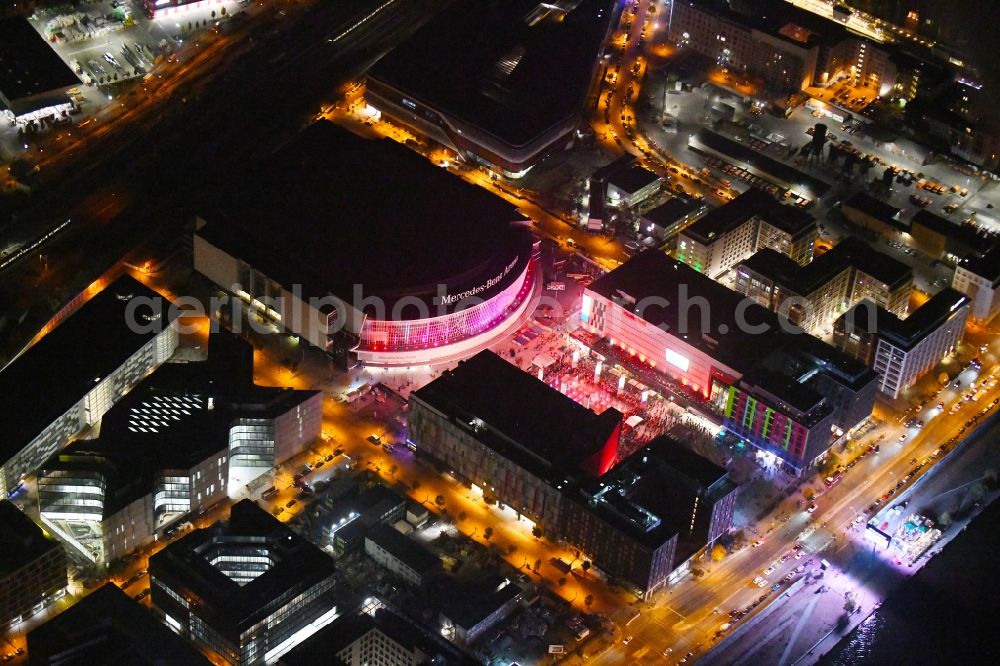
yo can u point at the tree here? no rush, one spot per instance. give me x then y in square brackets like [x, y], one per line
[588, 600]
[223, 11]
[511, 549]
[129, 22]
[213, 14]
[536, 532]
[586, 565]
[849, 603]
[439, 500]
[393, 469]
[415, 484]
[718, 552]
[462, 516]
[488, 533]
[189, 26]
[538, 565]
[562, 581]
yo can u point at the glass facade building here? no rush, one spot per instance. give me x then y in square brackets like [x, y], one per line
[244, 591]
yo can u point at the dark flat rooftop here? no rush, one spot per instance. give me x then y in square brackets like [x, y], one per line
[850, 252]
[28, 65]
[753, 202]
[23, 541]
[524, 419]
[632, 178]
[685, 461]
[653, 275]
[467, 602]
[986, 266]
[875, 207]
[403, 548]
[779, 19]
[107, 627]
[774, 265]
[668, 213]
[340, 210]
[631, 496]
[768, 165]
[495, 65]
[967, 234]
[907, 333]
[298, 565]
[866, 259]
[350, 627]
[175, 419]
[62, 367]
[605, 172]
[785, 388]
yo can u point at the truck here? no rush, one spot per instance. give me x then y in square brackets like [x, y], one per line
[561, 565]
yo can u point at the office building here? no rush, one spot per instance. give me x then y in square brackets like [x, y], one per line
[33, 79]
[752, 221]
[598, 182]
[731, 351]
[788, 47]
[470, 607]
[631, 186]
[107, 627]
[503, 430]
[72, 376]
[641, 522]
[174, 445]
[813, 296]
[245, 591]
[32, 566]
[669, 218]
[979, 279]
[510, 434]
[346, 514]
[940, 238]
[501, 84]
[437, 271]
[903, 350]
[381, 638]
[874, 214]
[400, 554]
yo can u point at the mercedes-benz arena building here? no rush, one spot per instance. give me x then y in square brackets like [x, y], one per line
[501, 83]
[370, 252]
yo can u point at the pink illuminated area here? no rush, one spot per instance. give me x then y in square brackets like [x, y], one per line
[430, 333]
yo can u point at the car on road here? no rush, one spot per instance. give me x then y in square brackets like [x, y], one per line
[768, 571]
[626, 640]
[758, 542]
[290, 503]
[810, 508]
